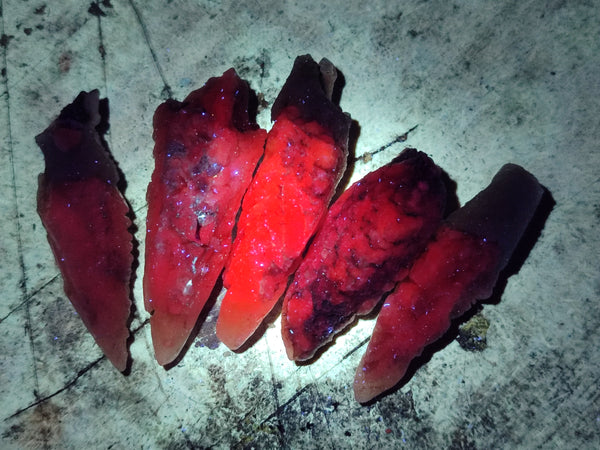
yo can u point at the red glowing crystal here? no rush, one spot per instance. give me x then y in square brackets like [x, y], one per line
[206, 150]
[370, 237]
[85, 217]
[305, 157]
[461, 265]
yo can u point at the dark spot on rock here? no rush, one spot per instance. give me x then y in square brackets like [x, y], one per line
[5, 39]
[347, 433]
[386, 31]
[256, 382]
[73, 145]
[217, 376]
[472, 335]
[40, 428]
[559, 248]
[64, 62]
[95, 10]
[262, 103]
[166, 92]
[40, 10]
[209, 341]
[207, 167]
[13, 432]
[462, 441]
[256, 66]
[207, 333]
[27, 31]
[175, 148]
[308, 426]
[403, 406]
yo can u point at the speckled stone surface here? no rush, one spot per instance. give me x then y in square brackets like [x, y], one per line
[483, 82]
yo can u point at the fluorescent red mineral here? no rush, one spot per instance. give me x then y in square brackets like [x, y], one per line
[460, 266]
[85, 217]
[305, 157]
[370, 237]
[206, 150]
